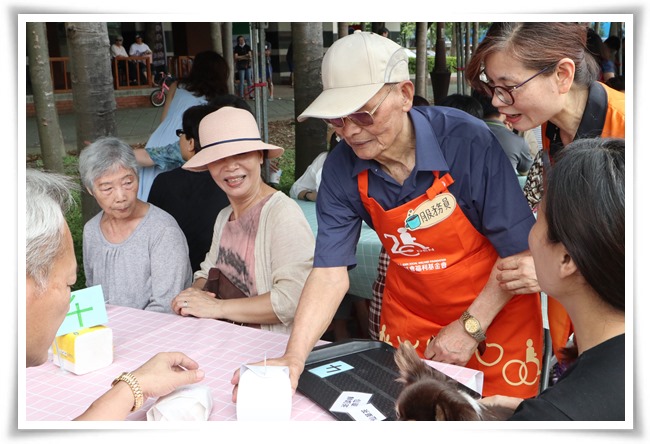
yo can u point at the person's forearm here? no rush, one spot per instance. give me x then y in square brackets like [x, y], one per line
[199, 283]
[143, 158]
[319, 301]
[308, 195]
[114, 405]
[253, 310]
[490, 300]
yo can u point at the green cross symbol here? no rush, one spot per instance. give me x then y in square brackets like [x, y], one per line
[78, 312]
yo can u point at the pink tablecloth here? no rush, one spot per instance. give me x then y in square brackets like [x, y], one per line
[218, 347]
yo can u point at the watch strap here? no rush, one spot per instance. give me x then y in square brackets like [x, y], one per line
[133, 383]
[479, 335]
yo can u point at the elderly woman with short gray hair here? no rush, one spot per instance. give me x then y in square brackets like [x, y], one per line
[134, 250]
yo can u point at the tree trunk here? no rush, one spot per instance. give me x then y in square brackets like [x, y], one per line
[92, 90]
[311, 134]
[343, 29]
[421, 59]
[440, 77]
[47, 118]
[226, 35]
[474, 37]
[215, 34]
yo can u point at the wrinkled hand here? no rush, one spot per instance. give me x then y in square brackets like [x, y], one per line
[517, 274]
[452, 345]
[165, 372]
[296, 367]
[202, 304]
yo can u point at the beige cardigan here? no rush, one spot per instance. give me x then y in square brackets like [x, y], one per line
[284, 253]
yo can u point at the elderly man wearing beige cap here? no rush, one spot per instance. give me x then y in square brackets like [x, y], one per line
[262, 247]
[437, 188]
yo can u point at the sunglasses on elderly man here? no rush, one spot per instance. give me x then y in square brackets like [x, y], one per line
[361, 118]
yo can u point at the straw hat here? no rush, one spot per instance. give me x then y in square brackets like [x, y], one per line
[354, 69]
[227, 132]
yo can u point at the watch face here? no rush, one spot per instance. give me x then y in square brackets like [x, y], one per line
[472, 325]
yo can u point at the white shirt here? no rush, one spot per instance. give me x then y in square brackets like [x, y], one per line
[118, 51]
[310, 180]
[138, 49]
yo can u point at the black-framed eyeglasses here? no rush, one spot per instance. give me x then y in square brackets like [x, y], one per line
[179, 132]
[505, 93]
[361, 118]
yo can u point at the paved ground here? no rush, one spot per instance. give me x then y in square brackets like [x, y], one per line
[135, 125]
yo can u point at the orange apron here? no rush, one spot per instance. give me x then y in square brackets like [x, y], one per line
[439, 264]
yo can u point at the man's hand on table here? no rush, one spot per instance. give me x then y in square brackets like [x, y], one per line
[165, 372]
[296, 366]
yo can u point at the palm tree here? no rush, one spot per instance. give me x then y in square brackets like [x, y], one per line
[311, 134]
[49, 131]
[92, 89]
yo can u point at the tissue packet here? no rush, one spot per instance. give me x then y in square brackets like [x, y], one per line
[187, 403]
[84, 351]
[264, 393]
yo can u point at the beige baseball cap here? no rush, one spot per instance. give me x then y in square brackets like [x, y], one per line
[354, 69]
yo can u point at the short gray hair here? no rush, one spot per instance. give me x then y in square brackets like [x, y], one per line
[104, 155]
[49, 196]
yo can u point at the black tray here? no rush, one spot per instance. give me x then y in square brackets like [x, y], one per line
[374, 372]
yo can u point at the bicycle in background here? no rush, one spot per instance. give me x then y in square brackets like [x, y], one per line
[158, 96]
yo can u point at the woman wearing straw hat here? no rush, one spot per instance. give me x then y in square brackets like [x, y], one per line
[262, 243]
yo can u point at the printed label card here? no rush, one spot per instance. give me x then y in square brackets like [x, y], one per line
[87, 309]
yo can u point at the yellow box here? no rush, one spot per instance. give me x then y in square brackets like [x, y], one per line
[85, 350]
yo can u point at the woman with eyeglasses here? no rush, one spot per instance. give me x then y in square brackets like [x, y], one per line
[543, 74]
[438, 189]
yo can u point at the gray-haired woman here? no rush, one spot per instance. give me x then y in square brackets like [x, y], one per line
[135, 250]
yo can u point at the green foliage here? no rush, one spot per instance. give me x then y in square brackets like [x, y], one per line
[287, 164]
[75, 222]
[406, 32]
[451, 64]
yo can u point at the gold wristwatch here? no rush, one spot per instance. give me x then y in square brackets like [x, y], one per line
[135, 388]
[472, 326]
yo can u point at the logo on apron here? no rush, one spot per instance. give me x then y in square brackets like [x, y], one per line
[427, 214]
[430, 212]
